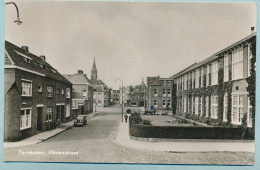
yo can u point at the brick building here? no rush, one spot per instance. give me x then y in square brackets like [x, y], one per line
[215, 89]
[82, 92]
[159, 93]
[35, 93]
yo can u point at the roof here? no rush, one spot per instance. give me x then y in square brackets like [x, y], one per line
[78, 79]
[16, 56]
[214, 56]
[98, 82]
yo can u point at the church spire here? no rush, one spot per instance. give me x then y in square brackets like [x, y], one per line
[94, 72]
[142, 83]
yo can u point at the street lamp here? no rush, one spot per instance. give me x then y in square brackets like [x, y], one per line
[17, 21]
[122, 98]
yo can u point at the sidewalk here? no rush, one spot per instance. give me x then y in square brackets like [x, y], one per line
[38, 138]
[177, 145]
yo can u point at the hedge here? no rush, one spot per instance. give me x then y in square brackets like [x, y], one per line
[192, 132]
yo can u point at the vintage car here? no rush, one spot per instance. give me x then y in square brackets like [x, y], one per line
[81, 120]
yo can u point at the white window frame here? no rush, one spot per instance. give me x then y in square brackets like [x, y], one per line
[225, 107]
[207, 77]
[226, 68]
[25, 119]
[184, 104]
[49, 114]
[214, 73]
[26, 88]
[155, 92]
[155, 103]
[237, 64]
[67, 93]
[214, 106]
[250, 56]
[164, 92]
[201, 76]
[249, 122]
[196, 105]
[169, 93]
[50, 91]
[237, 106]
[67, 110]
[164, 103]
[207, 106]
[197, 78]
[169, 102]
[84, 94]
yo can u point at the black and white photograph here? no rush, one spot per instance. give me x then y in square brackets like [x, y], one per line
[130, 82]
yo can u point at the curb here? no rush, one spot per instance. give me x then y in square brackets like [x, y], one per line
[154, 140]
[41, 140]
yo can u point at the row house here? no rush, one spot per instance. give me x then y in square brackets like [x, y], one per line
[159, 93]
[115, 96]
[137, 95]
[216, 88]
[35, 93]
[82, 92]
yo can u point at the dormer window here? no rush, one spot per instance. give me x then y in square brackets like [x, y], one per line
[25, 57]
[27, 60]
[42, 66]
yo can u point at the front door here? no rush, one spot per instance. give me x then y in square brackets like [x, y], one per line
[39, 118]
[62, 113]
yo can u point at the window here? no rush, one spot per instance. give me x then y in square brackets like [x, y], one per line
[237, 64]
[207, 106]
[74, 104]
[155, 103]
[197, 78]
[84, 94]
[67, 110]
[201, 77]
[155, 92]
[249, 115]
[225, 107]
[39, 88]
[49, 91]
[201, 106]
[237, 109]
[249, 61]
[49, 114]
[26, 88]
[214, 107]
[192, 103]
[164, 103]
[184, 104]
[164, 92]
[62, 91]
[192, 74]
[99, 95]
[25, 118]
[208, 75]
[58, 91]
[226, 70]
[214, 74]
[169, 103]
[67, 92]
[196, 105]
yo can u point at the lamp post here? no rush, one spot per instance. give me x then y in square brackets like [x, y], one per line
[122, 98]
[17, 21]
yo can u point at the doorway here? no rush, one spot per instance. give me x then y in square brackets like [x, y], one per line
[39, 118]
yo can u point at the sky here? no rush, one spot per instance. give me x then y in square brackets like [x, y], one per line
[129, 40]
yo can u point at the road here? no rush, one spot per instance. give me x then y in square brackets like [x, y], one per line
[95, 143]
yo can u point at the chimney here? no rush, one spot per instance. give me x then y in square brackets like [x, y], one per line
[25, 48]
[252, 29]
[43, 57]
[80, 71]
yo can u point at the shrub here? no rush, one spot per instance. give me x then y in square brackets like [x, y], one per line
[146, 122]
[135, 119]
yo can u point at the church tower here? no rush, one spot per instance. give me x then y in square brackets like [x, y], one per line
[94, 72]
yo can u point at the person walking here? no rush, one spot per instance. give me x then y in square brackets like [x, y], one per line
[126, 118]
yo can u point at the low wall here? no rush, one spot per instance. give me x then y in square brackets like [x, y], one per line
[193, 132]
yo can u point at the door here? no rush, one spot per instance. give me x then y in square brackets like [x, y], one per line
[39, 118]
[58, 112]
[62, 113]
